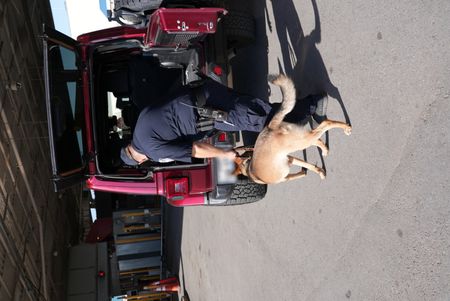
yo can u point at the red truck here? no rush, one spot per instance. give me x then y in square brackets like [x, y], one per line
[89, 79]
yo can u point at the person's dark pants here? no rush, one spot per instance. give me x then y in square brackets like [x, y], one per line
[248, 113]
[245, 112]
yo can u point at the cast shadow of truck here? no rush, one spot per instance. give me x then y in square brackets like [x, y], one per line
[300, 58]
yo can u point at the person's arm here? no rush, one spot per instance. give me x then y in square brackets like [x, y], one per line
[206, 150]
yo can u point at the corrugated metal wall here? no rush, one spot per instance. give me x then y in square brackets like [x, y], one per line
[36, 225]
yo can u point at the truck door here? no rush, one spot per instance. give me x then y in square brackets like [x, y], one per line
[64, 103]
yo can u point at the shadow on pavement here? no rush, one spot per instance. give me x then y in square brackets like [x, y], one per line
[173, 219]
[250, 65]
[174, 231]
[301, 60]
[307, 69]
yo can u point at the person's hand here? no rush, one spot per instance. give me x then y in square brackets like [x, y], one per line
[206, 150]
[230, 154]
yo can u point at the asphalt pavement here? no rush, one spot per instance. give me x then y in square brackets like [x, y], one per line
[378, 227]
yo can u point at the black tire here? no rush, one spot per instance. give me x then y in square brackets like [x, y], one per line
[240, 29]
[131, 19]
[137, 5]
[246, 192]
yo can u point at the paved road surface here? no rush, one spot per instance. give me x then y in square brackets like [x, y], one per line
[378, 228]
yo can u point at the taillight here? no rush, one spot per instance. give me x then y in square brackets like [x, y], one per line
[218, 70]
[177, 188]
[222, 137]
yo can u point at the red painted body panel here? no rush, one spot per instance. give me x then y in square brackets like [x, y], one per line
[113, 33]
[87, 108]
[202, 20]
[141, 187]
[199, 184]
[183, 21]
[191, 200]
[200, 181]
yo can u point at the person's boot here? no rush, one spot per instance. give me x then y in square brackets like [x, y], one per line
[319, 108]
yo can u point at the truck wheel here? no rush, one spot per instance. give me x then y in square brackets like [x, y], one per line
[239, 29]
[126, 18]
[246, 192]
[138, 5]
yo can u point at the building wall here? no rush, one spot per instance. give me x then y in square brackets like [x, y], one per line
[36, 225]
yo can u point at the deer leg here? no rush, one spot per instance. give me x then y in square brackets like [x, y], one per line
[293, 176]
[320, 144]
[314, 168]
[328, 125]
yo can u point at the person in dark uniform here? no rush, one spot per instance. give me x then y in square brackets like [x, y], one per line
[168, 131]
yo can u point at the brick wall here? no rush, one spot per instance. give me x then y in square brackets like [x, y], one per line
[32, 217]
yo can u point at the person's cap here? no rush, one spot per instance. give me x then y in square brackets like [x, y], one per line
[124, 155]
